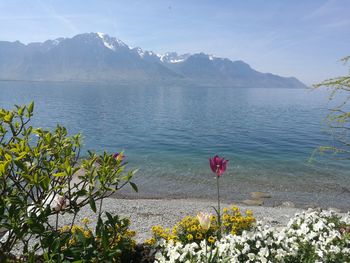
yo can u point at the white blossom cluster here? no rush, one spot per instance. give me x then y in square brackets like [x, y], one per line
[310, 236]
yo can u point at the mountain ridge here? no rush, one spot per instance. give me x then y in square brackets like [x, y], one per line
[101, 58]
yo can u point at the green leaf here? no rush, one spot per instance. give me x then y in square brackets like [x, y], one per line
[20, 165]
[8, 117]
[31, 107]
[92, 204]
[110, 217]
[35, 178]
[81, 192]
[8, 157]
[56, 244]
[133, 185]
[45, 182]
[59, 174]
[21, 156]
[20, 111]
[2, 168]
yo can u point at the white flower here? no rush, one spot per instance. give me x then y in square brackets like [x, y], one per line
[264, 252]
[319, 225]
[251, 256]
[269, 241]
[246, 248]
[317, 229]
[258, 244]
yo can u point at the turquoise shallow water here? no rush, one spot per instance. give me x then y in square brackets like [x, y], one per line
[169, 132]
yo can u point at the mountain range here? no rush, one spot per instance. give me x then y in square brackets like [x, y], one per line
[98, 57]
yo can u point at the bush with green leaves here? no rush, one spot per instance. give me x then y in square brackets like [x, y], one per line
[110, 241]
[338, 117]
[42, 175]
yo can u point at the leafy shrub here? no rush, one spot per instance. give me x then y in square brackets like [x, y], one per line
[42, 175]
[189, 229]
[111, 241]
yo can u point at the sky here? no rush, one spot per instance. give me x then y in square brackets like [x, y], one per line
[305, 39]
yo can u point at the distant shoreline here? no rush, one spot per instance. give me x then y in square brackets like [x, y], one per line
[241, 200]
[144, 84]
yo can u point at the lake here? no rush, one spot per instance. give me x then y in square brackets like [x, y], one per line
[168, 133]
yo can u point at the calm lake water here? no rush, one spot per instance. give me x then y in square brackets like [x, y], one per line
[168, 133]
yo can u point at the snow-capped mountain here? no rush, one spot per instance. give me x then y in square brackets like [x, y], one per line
[100, 57]
[173, 57]
[111, 42]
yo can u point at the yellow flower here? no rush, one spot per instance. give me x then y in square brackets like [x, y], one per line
[130, 233]
[87, 233]
[133, 243]
[151, 241]
[193, 228]
[211, 239]
[189, 237]
[72, 242]
[226, 217]
[174, 231]
[65, 229]
[85, 220]
[76, 228]
[199, 236]
[235, 209]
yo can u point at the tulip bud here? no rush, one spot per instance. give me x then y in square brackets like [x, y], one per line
[218, 165]
[59, 203]
[118, 156]
[204, 220]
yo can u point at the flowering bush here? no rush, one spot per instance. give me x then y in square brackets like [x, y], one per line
[43, 176]
[190, 229]
[111, 241]
[309, 237]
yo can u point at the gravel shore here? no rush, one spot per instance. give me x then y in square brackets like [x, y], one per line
[145, 213]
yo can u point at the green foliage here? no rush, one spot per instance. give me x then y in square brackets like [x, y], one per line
[111, 241]
[339, 115]
[42, 175]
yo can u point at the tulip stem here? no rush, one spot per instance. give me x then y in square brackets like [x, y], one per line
[206, 247]
[56, 221]
[100, 208]
[219, 210]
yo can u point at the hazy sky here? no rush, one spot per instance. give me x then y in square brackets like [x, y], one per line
[298, 38]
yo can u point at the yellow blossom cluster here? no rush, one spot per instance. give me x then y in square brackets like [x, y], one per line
[122, 235]
[234, 222]
[73, 232]
[189, 229]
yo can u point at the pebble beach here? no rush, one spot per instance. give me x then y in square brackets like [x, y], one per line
[145, 213]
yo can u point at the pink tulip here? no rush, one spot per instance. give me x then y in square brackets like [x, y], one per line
[119, 156]
[218, 165]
